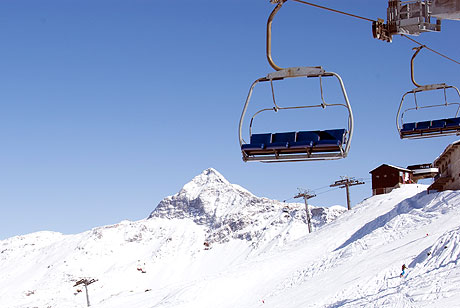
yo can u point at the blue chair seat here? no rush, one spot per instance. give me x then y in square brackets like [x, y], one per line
[253, 146]
[330, 140]
[338, 134]
[258, 142]
[281, 141]
[278, 145]
[408, 127]
[301, 144]
[305, 139]
[326, 143]
[438, 124]
[291, 143]
[423, 125]
[332, 134]
[430, 128]
[453, 122]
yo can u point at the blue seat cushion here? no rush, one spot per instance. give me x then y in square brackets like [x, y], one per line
[423, 125]
[258, 142]
[332, 134]
[452, 122]
[265, 138]
[438, 124]
[332, 138]
[408, 127]
[328, 142]
[281, 140]
[305, 139]
[252, 146]
[278, 145]
[283, 137]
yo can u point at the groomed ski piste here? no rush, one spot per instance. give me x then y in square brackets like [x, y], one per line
[214, 244]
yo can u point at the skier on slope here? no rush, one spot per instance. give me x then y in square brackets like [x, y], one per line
[403, 268]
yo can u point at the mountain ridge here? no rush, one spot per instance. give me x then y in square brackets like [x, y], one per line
[230, 211]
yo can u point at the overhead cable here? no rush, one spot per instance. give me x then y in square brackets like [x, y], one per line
[430, 49]
[372, 20]
[333, 10]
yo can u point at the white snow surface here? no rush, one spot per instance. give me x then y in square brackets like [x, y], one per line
[258, 253]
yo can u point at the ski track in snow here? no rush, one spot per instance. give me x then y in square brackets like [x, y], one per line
[259, 254]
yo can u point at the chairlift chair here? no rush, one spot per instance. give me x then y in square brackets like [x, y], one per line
[302, 145]
[296, 145]
[432, 128]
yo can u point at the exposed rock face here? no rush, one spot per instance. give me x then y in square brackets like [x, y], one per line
[230, 211]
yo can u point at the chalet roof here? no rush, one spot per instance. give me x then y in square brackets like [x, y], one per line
[448, 149]
[391, 166]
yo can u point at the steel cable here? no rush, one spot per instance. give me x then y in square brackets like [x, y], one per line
[333, 10]
[372, 20]
[430, 49]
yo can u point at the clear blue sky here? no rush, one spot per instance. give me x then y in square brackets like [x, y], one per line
[107, 107]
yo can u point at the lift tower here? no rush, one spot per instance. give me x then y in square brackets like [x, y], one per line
[346, 182]
[306, 195]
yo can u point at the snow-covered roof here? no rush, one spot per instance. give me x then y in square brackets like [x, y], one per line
[396, 167]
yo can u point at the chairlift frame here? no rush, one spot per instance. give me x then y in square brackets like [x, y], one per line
[294, 155]
[427, 129]
[289, 154]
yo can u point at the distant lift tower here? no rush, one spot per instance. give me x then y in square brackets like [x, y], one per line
[306, 195]
[346, 182]
[85, 282]
[414, 17]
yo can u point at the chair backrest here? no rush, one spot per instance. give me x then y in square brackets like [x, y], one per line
[408, 126]
[423, 125]
[453, 122]
[265, 138]
[332, 134]
[438, 123]
[307, 136]
[283, 137]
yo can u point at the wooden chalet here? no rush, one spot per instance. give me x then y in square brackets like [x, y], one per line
[385, 178]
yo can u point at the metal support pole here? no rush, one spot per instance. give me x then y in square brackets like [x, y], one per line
[305, 195]
[347, 187]
[346, 182]
[85, 282]
[308, 215]
[87, 295]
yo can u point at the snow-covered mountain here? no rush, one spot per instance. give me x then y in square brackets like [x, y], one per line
[229, 211]
[39, 269]
[214, 244]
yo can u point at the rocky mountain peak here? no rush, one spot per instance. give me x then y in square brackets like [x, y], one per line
[208, 179]
[206, 197]
[230, 211]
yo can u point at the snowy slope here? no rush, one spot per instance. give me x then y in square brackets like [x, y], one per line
[40, 269]
[259, 254]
